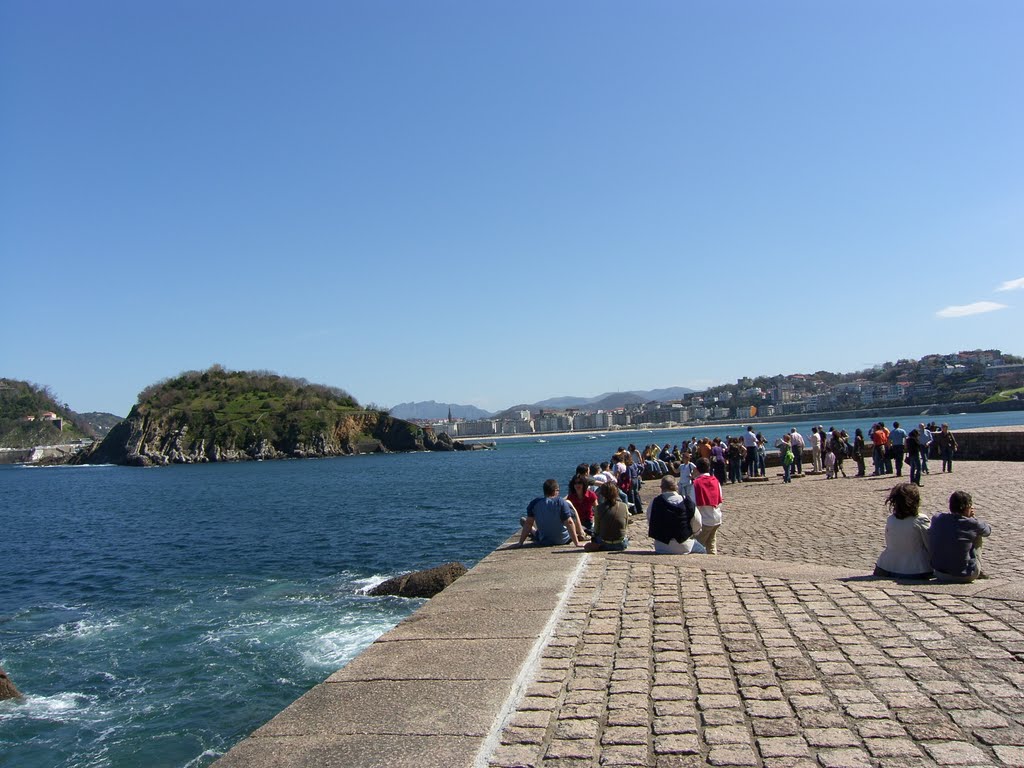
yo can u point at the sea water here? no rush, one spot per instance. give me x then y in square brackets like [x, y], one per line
[154, 617]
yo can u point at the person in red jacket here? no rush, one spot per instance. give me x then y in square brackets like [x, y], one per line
[707, 493]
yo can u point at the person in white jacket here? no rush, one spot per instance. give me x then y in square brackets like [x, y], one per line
[907, 551]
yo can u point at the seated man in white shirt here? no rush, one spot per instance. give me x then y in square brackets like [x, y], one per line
[673, 522]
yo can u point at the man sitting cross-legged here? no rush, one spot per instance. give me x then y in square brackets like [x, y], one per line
[551, 520]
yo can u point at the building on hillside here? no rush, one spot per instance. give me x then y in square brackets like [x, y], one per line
[622, 418]
[475, 428]
[995, 371]
[672, 412]
[599, 420]
[552, 422]
[515, 427]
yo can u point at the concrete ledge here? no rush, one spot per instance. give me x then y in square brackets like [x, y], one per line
[430, 691]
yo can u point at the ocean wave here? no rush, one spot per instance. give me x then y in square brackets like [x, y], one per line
[59, 707]
[364, 585]
[204, 758]
[333, 648]
[64, 466]
[83, 628]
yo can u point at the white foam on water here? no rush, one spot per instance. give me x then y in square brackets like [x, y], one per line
[82, 628]
[60, 707]
[366, 584]
[333, 648]
[204, 758]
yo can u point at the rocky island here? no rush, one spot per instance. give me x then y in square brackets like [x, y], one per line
[222, 415]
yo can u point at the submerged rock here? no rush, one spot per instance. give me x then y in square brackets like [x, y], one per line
[7, 688]
[421, 583]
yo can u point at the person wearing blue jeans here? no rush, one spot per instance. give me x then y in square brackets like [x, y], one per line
[914, 456]
[897, 441]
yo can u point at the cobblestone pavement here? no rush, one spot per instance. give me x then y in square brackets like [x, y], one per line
[842, 522]
[672, 661]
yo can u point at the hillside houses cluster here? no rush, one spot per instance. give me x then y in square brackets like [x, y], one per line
[963, 376]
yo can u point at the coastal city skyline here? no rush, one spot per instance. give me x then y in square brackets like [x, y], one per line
[492, 205]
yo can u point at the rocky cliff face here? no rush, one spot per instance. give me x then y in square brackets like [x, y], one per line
[153, 440]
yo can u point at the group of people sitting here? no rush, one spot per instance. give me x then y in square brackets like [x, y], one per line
[683, 519]
[946, 546]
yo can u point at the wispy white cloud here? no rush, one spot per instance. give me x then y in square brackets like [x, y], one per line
[1012, 285]
[977, 308]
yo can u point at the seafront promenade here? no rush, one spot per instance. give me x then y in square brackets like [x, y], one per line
[781, 652]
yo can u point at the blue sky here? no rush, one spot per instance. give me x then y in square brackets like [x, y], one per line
[494, 203]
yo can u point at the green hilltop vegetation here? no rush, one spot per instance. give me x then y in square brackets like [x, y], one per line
[23, 419]
[222, 415]
[235, 407]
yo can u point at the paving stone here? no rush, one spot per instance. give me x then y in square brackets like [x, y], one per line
[844, 758]
[769, 709]
[956, 753]
[881, 729]
[978, 718]
[727, 734]
[513, 735]
[892, 747]
[576, 729]
[625, 735]
[674, 724]
[677, 744]
[1010, 756]
[731, 755]
[831, 737]
[707, 686]
[934, 731]
[868, 711]
[530, 720]
[671, 760]
[811, 701]
[792, 687]
[628, 717]
[766, 726]
[626, 755]
[537, 703]
[573, 698]
[514, 756]
[571, 748]
[713, 717]
[545, 690]
[718, 701]
[587, 684]
[790, 762]
[784, 746]
[627, 686]
[627, 701]
[815, 719]
[680, 707]
[1013, 737]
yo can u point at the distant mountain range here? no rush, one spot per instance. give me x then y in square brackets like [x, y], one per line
[430, 409]
[607, 401]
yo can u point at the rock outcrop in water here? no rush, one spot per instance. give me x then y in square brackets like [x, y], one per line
[421, 583]
[7, 689]
[219, 415]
